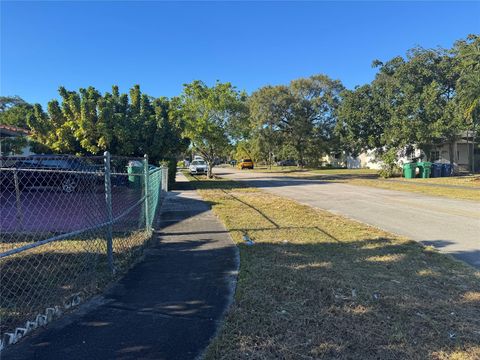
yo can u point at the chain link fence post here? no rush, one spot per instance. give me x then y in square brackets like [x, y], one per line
[146, 182]
[108, 203]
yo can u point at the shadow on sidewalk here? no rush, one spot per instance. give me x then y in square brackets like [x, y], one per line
[168, 306]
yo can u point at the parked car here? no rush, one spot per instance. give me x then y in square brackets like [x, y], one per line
[70, 174]
[245, 164]
[288, 162]
[198, 167]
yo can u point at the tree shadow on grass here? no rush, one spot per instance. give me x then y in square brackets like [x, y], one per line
[277, 181]
[368, 299]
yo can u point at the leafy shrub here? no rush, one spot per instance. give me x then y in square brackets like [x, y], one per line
[389, 165]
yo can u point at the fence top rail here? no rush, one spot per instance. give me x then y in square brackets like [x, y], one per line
[56, 171]
[67, 156]
[49, 156]
[59, 171]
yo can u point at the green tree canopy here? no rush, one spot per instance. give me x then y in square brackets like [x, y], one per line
[87, 122]
[300, 116]
[208, 113]
[412, 101]
[14, 111]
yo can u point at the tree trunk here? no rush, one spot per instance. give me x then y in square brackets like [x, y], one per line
[301, 159]
[473, 148]
[209, 169]
[450, 151]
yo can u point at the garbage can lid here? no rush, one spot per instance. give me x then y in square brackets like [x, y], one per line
[135, 163]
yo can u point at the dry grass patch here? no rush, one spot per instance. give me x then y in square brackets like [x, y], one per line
[426, 188]
[467, 186]
[465, 181]
[319, 286]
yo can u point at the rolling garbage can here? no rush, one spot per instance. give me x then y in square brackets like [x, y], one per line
[409, 170]
[447, 169]
[425, 169]
[436, 170]
[135, 167]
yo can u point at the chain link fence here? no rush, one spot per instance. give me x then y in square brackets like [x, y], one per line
[68, 225]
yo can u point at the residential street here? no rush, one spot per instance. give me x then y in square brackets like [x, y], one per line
[451, 226]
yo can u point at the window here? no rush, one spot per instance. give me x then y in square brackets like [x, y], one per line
[434, 155]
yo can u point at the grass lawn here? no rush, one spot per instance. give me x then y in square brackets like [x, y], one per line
[467, 191]
[319, 286]
[465, 181]
[467, 185]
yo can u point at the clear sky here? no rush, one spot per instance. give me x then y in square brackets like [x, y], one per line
[162, 45]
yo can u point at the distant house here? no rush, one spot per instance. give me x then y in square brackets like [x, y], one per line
[14, 141]
[463, 149]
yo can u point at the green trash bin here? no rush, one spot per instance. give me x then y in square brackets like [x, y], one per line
[135, 167]
[409, 170]
[425, 168]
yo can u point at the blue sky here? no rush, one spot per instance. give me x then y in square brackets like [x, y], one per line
[162, 45]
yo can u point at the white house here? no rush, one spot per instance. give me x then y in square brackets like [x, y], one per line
[463, 150]
[14, 141]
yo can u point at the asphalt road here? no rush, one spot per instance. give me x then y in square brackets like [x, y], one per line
[451, 226]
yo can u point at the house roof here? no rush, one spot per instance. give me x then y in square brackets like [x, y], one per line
[11, 130]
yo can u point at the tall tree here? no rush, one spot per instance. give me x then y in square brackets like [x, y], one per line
[302, 114]
[87, 122]
[208, 112]
[14, 111]
[411, 101]
[468, 86]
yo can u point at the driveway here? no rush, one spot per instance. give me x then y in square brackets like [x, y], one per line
[451, 226]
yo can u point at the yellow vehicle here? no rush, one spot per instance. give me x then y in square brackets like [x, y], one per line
[245, 164]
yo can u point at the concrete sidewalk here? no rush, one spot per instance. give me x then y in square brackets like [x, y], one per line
[168, 306]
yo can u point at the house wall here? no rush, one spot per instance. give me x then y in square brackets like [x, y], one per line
[460, 153]
[7, 151]
[369, 160]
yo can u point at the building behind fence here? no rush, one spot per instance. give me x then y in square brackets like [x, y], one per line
[67, 226]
